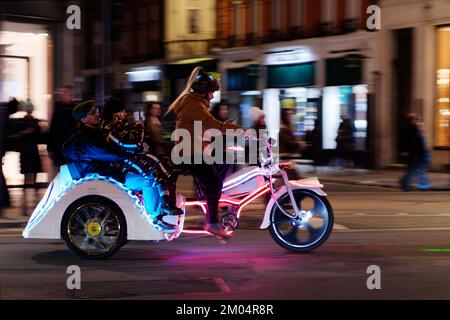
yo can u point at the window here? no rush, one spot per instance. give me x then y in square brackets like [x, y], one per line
[297, 13]
[276, 14]
[193, 20]
[443, 88]
[256, 16]
[328, 10]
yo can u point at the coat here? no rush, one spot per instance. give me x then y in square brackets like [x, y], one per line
[194, 107]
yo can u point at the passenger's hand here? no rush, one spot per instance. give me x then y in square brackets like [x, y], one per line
[140, 122]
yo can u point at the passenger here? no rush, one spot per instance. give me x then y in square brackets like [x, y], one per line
[129, 138]
[88, 152]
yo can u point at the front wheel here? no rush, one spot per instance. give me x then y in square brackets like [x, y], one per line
[94, 227]
[304, 233]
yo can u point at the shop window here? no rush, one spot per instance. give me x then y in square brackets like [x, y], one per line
[442, 117]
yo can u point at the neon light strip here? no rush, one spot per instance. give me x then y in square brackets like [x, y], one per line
[117, 141]
[238, 180]
[196, 203]
[94, 177]
[251, 199]
[187, 231]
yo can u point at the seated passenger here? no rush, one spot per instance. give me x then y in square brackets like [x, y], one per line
[126, 137]
[88, 152]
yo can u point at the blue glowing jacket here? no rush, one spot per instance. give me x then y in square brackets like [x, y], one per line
[88, 152]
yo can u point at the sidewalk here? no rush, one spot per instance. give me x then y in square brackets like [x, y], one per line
[13, 218]
[388, 178]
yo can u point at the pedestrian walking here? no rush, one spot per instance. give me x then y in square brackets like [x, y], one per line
[30, 161]
[413, 148]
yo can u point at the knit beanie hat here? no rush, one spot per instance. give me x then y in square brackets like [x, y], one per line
[82, 109]
[112, 106]
[256, 113]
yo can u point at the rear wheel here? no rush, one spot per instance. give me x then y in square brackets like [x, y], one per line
[305, 233]
[94, 227]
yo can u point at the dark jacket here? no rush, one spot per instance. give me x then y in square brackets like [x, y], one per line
[30, 161]
[88, 152]
[123, 136]
[4, 116]
[62, 127]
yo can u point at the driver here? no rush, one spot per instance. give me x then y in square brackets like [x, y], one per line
[192, 105]
[88, 152]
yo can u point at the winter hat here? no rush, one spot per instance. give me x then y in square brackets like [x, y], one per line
[12, 106]
[204, 83]
[112, 106]
[256, 113]
[82, 109]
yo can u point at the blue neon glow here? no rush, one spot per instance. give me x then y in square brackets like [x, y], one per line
[94, 177]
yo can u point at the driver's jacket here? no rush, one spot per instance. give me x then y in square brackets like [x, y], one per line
[88, 152]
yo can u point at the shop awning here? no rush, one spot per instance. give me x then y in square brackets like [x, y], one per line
[243, 79]
[344, 71]
[291, 75]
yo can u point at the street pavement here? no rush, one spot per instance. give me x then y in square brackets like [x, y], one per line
[407, 235]
[13, 217]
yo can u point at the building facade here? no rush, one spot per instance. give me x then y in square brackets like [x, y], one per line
[315, 57]
[414, 56]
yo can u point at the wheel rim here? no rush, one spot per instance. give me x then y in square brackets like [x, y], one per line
[94, 229]
[304, 231]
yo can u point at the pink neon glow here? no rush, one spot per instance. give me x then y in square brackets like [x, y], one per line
[254, 196]
[202, 232]
[195, 231]
[241, 204]
[197, 203]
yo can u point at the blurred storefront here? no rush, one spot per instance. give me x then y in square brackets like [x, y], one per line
[322, 80]
[414, 58]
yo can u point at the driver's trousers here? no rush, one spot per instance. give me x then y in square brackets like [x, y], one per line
[210, 178]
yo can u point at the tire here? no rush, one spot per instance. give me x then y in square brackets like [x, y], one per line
[94, 227]
[294, 238]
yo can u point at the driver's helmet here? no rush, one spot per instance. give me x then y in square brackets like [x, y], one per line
[204, 83]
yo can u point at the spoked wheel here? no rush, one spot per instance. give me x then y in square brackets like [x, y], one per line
[304, 233]
[94, 227]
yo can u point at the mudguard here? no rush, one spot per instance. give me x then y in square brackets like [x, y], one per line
[312, 184]
[45, 222]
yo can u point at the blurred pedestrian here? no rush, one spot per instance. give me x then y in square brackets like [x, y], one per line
[289, 145]
[258, 118]
[313, 142]
[345, 143]
[62, 126]
[30, 161]
[413, 148]
[6, 109]
[220, 111]
[153, 138]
